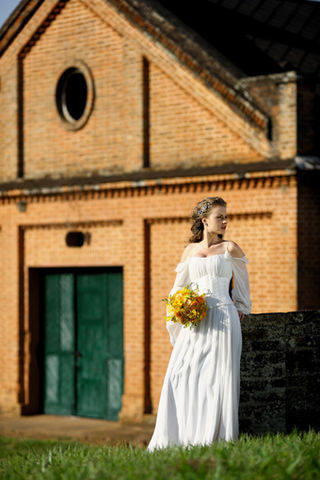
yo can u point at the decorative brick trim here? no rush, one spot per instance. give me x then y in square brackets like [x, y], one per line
[145, 188]
[42, 28]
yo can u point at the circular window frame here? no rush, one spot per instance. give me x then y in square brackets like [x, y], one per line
[65, 118]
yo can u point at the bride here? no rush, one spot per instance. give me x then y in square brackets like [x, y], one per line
[199, 400]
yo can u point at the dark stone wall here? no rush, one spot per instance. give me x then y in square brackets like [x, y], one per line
[280, 372]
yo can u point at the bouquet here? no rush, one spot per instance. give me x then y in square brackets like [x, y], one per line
[186, 306]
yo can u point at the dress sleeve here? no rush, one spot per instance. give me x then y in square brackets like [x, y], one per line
[182, 279]
[241, 291]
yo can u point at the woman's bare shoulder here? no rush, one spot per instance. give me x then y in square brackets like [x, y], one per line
[234, 249]
[186, 252]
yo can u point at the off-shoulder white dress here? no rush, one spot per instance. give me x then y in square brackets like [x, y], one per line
[199, 400]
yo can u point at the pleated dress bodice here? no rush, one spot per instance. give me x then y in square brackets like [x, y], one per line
[212, 275]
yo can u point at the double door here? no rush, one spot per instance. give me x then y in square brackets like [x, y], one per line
[83, 343]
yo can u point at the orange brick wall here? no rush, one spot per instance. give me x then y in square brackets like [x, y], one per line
[9, 373]
[185, 133]
[167, 241]
[8, 123]
[282, 106]
[49, 148]
[261, 221]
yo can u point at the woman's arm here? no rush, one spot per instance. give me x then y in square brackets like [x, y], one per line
[241, 290]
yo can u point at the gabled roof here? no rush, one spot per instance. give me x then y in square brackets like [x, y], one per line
[222, 41]
[187, 45]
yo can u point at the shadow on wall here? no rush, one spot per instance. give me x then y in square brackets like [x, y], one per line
[280, 372]
[308, 239]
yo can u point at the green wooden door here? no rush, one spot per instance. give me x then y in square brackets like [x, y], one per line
[94, 336]
[59, 362]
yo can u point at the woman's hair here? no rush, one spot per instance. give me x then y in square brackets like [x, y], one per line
[203, 210]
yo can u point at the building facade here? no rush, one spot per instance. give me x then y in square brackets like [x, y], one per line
[115, 121]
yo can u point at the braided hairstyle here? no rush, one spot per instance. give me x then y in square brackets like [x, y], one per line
[203, 210]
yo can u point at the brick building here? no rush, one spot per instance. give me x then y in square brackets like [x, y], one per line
[117, 117]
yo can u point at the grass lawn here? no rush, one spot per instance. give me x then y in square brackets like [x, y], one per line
[294, 456]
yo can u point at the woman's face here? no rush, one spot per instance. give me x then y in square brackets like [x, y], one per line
[216, 221]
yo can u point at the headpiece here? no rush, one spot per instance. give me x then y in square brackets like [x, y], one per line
[204, 208]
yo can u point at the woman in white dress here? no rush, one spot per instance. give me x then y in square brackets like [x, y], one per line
[199, 400]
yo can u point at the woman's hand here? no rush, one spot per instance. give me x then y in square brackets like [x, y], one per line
[241, 315]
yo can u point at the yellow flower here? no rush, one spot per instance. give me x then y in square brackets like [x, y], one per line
[186, 306]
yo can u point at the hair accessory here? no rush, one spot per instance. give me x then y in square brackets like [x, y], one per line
[203, 209]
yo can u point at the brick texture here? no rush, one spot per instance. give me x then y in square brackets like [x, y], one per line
[185, 133]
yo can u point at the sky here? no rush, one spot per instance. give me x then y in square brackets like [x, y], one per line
[7, 7]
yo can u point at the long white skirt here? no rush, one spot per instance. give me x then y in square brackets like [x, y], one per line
[199, 400]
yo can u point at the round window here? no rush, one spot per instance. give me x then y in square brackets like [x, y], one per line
[74, 96]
